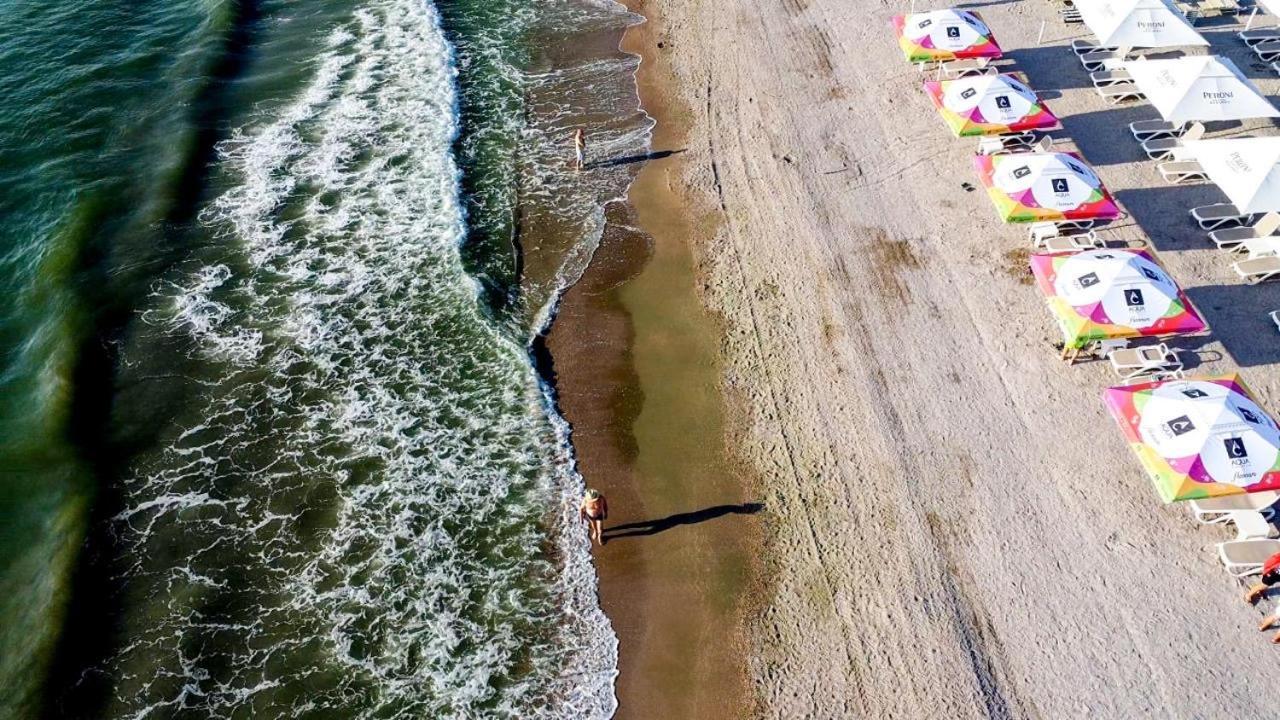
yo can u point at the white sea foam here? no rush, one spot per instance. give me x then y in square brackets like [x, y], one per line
[361, 507]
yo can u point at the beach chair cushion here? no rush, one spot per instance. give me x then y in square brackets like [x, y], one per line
[1256, 270]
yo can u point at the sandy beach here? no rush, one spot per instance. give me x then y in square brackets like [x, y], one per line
[953, 526]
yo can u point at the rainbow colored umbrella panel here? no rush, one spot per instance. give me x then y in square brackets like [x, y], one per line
[1101, 294]
[1200, 437]
[1044, 187]
[989, 105]
[944, 35]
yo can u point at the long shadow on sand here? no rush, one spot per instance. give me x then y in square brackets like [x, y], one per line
[653, 527]
[1237, 315]
[629, 159]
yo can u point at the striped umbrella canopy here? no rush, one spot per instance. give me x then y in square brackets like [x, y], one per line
[989, 105]
[1101, 294]
[1044, 187]
[944, 35]
[1199, 437]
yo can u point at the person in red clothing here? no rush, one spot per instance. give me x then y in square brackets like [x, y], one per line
[1270, 576]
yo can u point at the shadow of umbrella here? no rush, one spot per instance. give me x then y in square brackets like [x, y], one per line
[653, 527]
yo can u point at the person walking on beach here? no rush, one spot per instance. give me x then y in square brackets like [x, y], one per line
[594, 510]
[580, 147]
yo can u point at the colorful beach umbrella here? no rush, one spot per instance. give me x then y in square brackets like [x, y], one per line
[1036, 187]
[944, 35]
[1200, 437]
[1199, 87]
[1247, 170]
[1137, 23]
[989, 104]
[1102, 294]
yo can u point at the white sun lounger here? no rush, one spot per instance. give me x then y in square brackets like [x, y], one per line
[1257, 35]
[1260, 247]
[1181, 171]
[1162, 148]
[1014, 142]
[1231, 238]
[1141, 361]
[1119, 92]
[1107, 78]
[1218, 509]
[1258, 270]
[1148, 129]
[1251, 525]
[1071, 243]
[964, 68]
[1097, 59]
[1267, 50]
[1212, 217]
[1080, 47]
[1243, 558]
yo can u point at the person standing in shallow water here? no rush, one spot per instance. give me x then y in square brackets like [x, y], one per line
[580, 147]
[594, 510]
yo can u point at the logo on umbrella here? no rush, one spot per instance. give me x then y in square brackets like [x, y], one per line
[1002, 102]
[1133, 298]
[953, 31]
[925, 23]
[1060, 185]
[1249, 416]
[1021, 172]
[1089, 280]
[968, 93]
[1151, 274]
[1235, 448]
[1195, 393]
[1180, 425]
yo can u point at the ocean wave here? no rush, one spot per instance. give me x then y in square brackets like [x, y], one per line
[356, 520]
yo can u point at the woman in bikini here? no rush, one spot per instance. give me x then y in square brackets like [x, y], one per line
[594, 510]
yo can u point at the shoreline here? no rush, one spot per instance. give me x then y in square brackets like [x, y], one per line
[637, 373]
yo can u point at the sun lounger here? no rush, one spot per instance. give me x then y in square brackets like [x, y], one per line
[1107, 78]
[1260, 247]
[1162, 148]
[1257, 35]
[1119, 92]
[1103, 348]
[1080, 47]
[1071, 243]
[1267, 50]
[1148, 129]
[1258, 270]
[1014, 142]
[1231, 238]
[1181, 171]
[1212, 217]
[1251, 525]
[1142, 361]
[1097, 59]
[964, 68]
[1042, 232]
[1243, 558]
[1218, 509]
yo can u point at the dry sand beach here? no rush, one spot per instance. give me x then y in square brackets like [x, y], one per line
[953, 525]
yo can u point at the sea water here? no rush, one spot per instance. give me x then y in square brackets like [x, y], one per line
[273, 444]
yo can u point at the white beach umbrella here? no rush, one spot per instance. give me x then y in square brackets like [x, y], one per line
[1137, 23]
[1272, 6]
[1204, 87]
[1244, 168]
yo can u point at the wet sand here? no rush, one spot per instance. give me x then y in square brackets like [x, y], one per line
[638, 376]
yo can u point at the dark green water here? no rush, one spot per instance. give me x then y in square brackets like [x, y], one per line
[272, 442]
